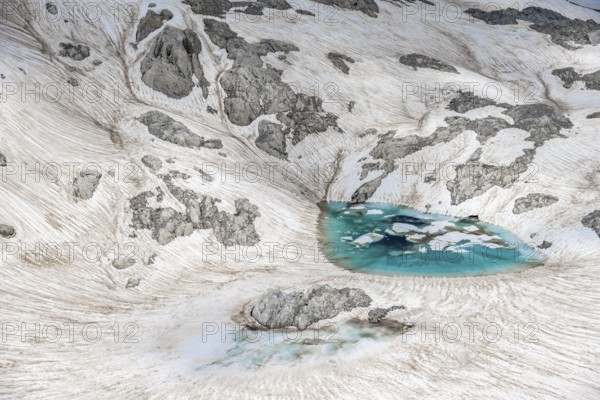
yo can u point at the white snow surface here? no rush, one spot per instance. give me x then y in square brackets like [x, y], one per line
[549, 347]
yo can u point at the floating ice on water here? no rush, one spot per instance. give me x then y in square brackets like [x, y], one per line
[375, 212]
[368, 239]
[401, 227]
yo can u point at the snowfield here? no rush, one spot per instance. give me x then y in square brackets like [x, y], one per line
[108, 327]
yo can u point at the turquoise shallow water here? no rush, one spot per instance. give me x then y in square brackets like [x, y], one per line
[394, 240]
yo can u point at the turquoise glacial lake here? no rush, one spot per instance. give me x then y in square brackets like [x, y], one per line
[393, 240]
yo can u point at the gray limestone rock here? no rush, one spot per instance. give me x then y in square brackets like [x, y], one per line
[369, 167]
[133, 282]
[475, 178]
[422, 61]
[366, 190]
[339, 61]
[151, 22]
[569, 76]
[533, 201]
[563, 31]
[218, 8]
[172, 63]
[166, 128]
[307, 117]
[201, 212]
[543, 122]
[252, 92]
[368, 7]
[75, 52]
[124, 264]
[376, 315]
[545, 245]
[592, 221]
[86, 183]
[51, 8]
[305, 12]
[467, 101]
[594, 115]
[154, 163]
[277, 309]
[271, 139]
[7, 231]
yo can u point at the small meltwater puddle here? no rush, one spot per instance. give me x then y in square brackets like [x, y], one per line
[240, 348]
[394, 240]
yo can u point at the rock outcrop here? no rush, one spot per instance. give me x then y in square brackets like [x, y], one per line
[75, 52]
[201, 212]
[7, 231]
[533, 201]
[218, 8]
[172, 63]
[277, 309]
[594, 115]
[253, 90]
[339, 61]
[570, 76]
[86, 183]
[467, 101]
[422, 61]
[271, 139]
[51, 8]
[154, 163]
[592, 221]
[151, 22]
[368, 7]
[376, 315]
[166, 128]
[563, 31]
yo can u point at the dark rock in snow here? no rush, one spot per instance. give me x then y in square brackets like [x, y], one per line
[133, 282]
[545, 245]
[51, 8]
[594, 115]
[75, 52]
[376, 315]
[86, 183]
[467, 101]
[563, 31]
[172, 62]
[253, 91]
[151, 22]
[533, 201]
[368, 7]
[154, 163]
[592, 221]
[569, 76]
[271, 139]
[277, 309]
[7, 231]
[166, 128]
[421, 61]
[305, 12]
[339, 61]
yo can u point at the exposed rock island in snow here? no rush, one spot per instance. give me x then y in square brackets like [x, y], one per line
[164, 168]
